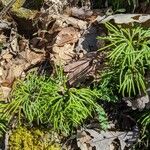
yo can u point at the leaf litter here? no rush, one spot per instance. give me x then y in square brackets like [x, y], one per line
[89, 139]
[64, 37]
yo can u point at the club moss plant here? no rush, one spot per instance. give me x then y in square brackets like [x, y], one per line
[128, 57]
[48, 101]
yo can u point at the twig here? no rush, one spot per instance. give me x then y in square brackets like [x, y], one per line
[6, 8]
[7, 134]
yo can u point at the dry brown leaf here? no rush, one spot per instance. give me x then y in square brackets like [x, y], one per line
[83, 141]
[14, 48]
[14, 67]
[2, 38]
[138, 103]
[67, 35]
[84, 13]
[81, 13]
[54, 6]
[127, 19]
[23, 43]
[1, 71]
[4, 92]
[7, 56]
[39, 43]
[79, 70]
[62, 21]
[34, 58]
[4, 73]
[104, 140]
[17, 70]
[63, 55]
[13, 70]
[1, 75]
[63, 49]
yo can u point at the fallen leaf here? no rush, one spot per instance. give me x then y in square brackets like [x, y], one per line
[5, 91]
[23, 43]
[78, 71]
[34, 58]
[7, 56]
[138, 103]
[104, 140]
[67, 35]
[3, 38]
[63, 55]
[14, 48]
[83, 141]
[62, 21]
[88, 41]
[15, 67]
[81, 13]
[127, 19]
[54, 6]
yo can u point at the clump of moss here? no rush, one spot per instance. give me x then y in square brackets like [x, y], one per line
[21, 11]
[33, 139]
[26, 9]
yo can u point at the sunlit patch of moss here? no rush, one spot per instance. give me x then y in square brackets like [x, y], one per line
[30, 4]
[24, 8]
[24, 13]
[18, 3]
[33, 139]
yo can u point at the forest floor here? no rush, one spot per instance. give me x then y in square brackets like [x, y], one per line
[68, 43]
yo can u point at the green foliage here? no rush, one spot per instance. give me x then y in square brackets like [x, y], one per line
[3, 120]
[102, 118]
[107, 86]
[145, 120]
[49, 101]
[33, 139]
[128, 56]
[134, 2]
[2, 127]
[117, 4]
[106, 90]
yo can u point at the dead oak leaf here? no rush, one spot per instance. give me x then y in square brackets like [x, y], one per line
[63, 55]
[63, 21]
[7, 56]
[104, 140]
[33, 57]
[4, 92]
[81, 13]
[67, 36]
[138, 103]
[78, 71]
[127, 19]
[83, 141]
